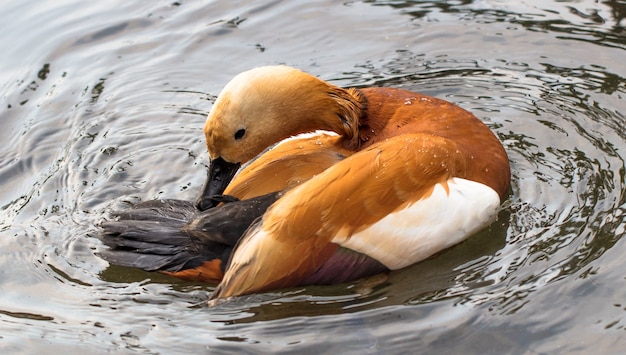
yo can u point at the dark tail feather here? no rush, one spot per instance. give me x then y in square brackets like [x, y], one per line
[125, 233]
[172, 236]
[154, 246]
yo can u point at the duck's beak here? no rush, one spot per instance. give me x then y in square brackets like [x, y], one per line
[220, 174]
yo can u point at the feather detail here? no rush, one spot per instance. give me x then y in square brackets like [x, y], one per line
[364, 188]
[289, 164]
[263, 262]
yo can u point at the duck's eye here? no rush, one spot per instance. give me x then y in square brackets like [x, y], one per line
[240, 133]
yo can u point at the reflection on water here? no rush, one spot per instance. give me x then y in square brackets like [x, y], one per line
[104, 105]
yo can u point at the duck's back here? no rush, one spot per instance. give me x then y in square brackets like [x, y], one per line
[392, 112]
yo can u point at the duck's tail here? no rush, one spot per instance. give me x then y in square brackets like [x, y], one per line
[173, 237]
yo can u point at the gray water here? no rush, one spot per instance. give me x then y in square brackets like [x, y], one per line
[103, 103]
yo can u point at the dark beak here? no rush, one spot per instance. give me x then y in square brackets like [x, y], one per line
[220, 174]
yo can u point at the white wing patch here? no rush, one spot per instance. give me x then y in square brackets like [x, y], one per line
[427, 226]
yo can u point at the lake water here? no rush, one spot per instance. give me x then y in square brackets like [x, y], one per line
[103, 104]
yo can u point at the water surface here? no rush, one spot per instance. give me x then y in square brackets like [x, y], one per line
[103, 106]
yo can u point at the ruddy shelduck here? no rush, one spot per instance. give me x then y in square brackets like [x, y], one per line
[362, 181]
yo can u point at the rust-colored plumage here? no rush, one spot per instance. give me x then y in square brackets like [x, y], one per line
[209, 271]
[288, 165]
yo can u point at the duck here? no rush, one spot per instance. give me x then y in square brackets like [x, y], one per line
[348, 183]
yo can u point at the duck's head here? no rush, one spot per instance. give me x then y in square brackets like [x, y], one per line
[265, 105]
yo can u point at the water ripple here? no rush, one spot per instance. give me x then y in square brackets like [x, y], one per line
[103, 107]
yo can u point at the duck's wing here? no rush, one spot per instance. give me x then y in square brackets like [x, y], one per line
[385, 202]
[173, 237]
[227, 223]
[289, 164]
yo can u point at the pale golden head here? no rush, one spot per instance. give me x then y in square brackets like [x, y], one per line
[262, 106]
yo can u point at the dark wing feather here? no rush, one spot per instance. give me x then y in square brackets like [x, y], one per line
[226, 224]
[174, 236]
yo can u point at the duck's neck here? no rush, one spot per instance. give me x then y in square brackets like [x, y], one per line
[350, 107]
[319, 106]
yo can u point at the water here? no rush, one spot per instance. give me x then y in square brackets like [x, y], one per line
[103, 105]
